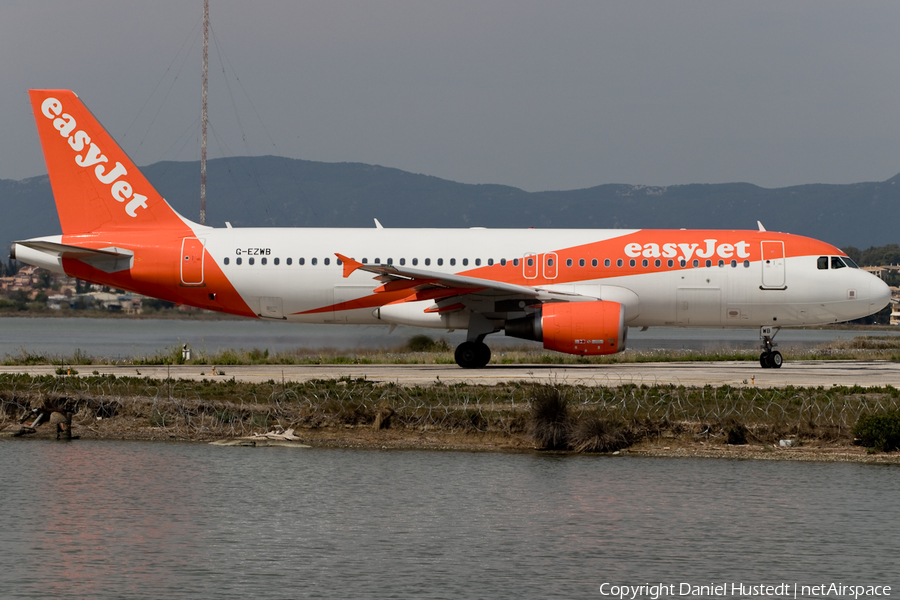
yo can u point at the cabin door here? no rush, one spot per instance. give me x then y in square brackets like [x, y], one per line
[773, 265]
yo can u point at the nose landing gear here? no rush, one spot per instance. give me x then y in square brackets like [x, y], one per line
[769, 359]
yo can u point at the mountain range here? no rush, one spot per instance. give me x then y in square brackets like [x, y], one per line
[274, 191]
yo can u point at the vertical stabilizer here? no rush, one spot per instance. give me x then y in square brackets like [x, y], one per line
[95, 185]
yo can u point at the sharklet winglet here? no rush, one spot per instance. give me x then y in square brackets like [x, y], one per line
[350, 265]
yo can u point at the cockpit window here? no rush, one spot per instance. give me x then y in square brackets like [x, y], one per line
[849, 262]
[822, 263]
[837, 263]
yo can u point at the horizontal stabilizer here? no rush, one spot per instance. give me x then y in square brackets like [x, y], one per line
[108, 260]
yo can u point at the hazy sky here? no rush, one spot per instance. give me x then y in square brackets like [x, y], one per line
[538, 95]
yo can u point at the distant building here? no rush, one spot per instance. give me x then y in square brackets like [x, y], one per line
[895, 306]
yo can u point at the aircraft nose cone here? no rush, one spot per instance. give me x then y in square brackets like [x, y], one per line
[879, 294]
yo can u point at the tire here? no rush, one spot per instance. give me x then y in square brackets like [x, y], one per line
[764, 360]
[472, 355]
[484, 355]
[776, 360]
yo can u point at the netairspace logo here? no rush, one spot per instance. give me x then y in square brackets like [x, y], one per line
[655, 591]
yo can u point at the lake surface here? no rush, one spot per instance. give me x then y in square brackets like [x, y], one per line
[122, 338]
[155, 520]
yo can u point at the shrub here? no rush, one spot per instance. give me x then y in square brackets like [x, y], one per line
[423, 343]
[736, 434]
[550, 418]
[880, 431]
[593, 434]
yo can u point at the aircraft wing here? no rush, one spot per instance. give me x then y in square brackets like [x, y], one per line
[398, 277]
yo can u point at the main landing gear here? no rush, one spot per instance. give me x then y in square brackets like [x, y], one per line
[472, 355]
[769, 359]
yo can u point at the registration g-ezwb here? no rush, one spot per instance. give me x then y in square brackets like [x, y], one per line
[577, 291]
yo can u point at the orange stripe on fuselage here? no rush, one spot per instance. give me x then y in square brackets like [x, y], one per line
[651, 242]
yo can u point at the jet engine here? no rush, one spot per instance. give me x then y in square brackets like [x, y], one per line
[575, 327]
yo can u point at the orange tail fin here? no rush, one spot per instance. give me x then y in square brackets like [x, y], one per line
[96, 186]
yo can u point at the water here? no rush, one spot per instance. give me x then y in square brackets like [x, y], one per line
[121, 338]
[154, 520]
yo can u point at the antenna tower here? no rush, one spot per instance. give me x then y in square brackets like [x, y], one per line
[203, 115]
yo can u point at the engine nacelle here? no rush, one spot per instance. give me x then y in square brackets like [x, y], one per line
[586, 328]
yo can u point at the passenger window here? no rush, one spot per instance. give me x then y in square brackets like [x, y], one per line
[289, 262]
[339, 262]
[238, 261]
[226, 260]
[708, 263]
[302, 261]
[605, 262]
[452, 262]
[365, 261]
[619, 262]
[837, 263]
[530, 262]
[465, 262]
[645, 263]
[440, 262]
[314, 261]
[696, 263]
[515, 262]
[631, 263]
[594, 262]
[502, 262]
[671, 263]
[427, 262]
[276, 261]
[263, 260]
[377, 261]
[250, 260]
[580, 262]
[390, 261]
[402, 261]
[327, 261]
[478, 262]
[822, 263]
[657, 262]
[682, 262]
[415, 262]
[733, 263]
[721, 263]
[746, 264]
[490, 262]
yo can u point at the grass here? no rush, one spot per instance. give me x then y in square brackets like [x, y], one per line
[421, 349]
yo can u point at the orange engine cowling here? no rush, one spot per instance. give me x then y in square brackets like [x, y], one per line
[575, 327]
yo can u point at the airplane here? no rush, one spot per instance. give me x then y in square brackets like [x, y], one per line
[575, 291]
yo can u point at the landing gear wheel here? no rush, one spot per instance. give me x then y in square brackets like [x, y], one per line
[771, 360]
[472, 355]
